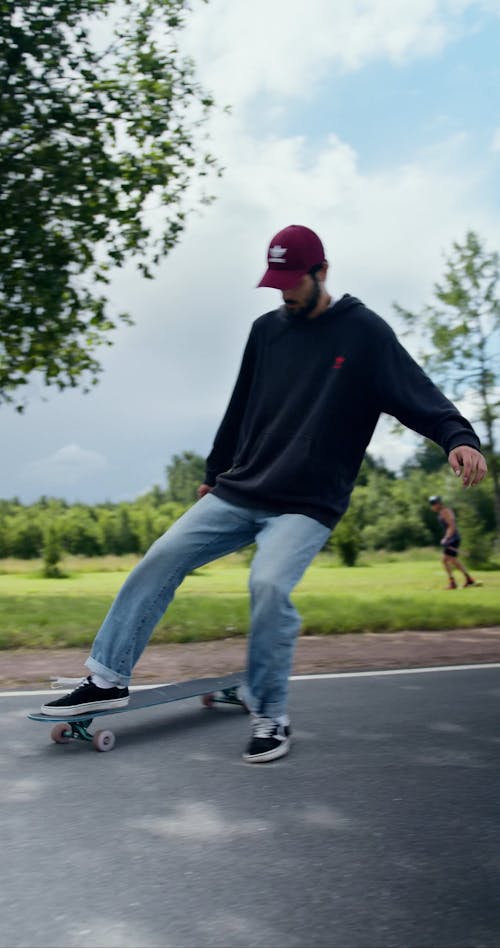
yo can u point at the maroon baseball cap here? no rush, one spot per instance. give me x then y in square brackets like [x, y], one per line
[292, 253]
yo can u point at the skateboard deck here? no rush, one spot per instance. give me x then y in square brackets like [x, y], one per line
[222, 690]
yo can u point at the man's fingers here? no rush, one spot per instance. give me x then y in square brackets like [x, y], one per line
[477, 470]
[468, 463]
[204, 489]
[480, 472]
[455, 461]
[466, 471]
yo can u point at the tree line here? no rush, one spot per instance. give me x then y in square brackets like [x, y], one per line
[387, 512]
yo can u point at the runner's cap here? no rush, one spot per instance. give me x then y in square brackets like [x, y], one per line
[292, 253]
[435, 499]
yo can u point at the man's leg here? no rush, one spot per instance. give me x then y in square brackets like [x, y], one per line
[468, 578]
[285, 547]
[448, 564]
[208, 530]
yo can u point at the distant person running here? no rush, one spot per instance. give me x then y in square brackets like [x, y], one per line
[450, 542]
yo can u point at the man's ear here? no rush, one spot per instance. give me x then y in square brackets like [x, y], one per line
[323, 272]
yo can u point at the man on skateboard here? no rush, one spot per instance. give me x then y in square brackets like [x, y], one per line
[316, 374]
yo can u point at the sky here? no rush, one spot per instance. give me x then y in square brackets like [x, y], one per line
[374, 122]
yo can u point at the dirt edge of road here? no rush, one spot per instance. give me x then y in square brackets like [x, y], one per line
[364, 651]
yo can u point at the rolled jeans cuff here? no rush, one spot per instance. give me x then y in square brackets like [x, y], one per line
[113, 677]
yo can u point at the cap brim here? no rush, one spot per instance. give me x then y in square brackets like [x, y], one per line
[282, 279]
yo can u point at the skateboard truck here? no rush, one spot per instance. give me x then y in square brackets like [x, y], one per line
[226, 696]
[63, 733]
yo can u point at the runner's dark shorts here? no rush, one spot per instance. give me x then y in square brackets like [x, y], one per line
[451, 548]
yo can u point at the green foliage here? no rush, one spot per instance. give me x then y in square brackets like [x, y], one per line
[185, 473]
[428, 457]
[347, 537]
[98, 149]
[24, 537]
[371, 465]
[51, 552]
[79, 527]
[82, 530]
[461, 336]
[477, 543]
[462, 325]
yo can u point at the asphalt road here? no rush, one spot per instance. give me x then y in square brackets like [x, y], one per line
[382, 827]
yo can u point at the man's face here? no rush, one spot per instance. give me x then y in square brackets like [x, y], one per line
[303, 298]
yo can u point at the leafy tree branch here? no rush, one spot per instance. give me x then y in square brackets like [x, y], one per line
[99, 152]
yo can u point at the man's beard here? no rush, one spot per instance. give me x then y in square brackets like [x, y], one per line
[302, 312]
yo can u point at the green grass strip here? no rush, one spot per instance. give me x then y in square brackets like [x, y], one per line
[213, 603]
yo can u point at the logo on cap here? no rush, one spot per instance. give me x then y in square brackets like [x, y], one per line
[277, 254]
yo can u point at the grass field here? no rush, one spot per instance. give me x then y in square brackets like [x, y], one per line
[383, 594]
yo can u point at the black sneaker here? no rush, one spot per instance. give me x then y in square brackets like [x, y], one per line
[87, 697]
[269, 740]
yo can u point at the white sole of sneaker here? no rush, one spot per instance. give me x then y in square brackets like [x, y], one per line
[274, 754]
[72, 710]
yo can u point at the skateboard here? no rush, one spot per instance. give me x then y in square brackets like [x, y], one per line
[223, 690]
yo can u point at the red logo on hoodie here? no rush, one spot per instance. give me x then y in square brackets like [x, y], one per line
[339, 361]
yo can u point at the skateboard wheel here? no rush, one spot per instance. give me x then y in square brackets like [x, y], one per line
[61, 733]
[103, 740]
[207, 701]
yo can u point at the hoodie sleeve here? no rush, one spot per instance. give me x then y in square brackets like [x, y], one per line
[407, 393]
[223, 450]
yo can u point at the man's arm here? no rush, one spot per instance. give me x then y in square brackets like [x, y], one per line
[449, 519]
[221, 456]
[408, 394]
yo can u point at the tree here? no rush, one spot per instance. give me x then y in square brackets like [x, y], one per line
[428, 457]
[51, 553]
[347, 537]
[185, 473]
[79, 532]
[99, 144]
[462, 328]
[126, 540]
[369, 465]
[25, 535]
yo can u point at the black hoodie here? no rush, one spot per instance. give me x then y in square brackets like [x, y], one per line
[305, 405]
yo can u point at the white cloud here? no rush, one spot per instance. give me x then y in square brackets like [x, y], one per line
[65, 468]
[384, 231]
[495, 144]
[284, 48]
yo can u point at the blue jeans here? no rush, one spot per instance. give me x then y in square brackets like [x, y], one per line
[286, 544]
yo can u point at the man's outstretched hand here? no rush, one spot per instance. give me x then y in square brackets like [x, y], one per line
[468, 463]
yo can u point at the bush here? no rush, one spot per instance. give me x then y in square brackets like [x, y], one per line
[347, 538]
[477, 544]
[52, 554]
